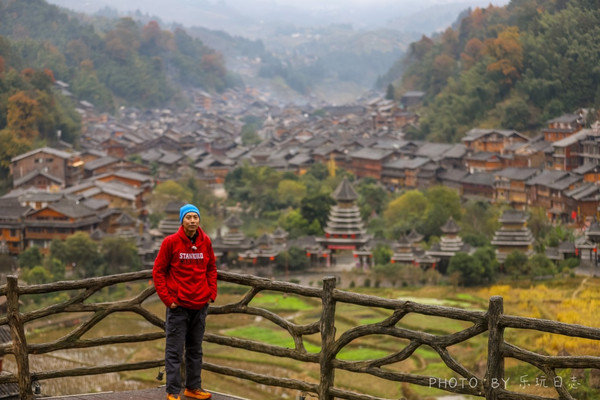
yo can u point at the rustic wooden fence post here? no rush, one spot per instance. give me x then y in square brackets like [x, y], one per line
[327, 339]
[494, 377]
[17, 333]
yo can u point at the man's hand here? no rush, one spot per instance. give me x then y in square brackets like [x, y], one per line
[174, 305]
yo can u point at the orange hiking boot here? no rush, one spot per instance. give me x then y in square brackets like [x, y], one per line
[173, 396]
[197, 394]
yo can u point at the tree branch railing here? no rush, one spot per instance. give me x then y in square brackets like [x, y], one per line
[465, 381]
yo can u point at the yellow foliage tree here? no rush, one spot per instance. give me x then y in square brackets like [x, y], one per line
[507, 53]
[22, 116]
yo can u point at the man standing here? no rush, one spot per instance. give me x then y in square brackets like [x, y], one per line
[185, 277]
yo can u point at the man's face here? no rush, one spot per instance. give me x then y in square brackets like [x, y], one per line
[191, 221]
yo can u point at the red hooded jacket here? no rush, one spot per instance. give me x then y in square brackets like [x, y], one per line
[185, 275]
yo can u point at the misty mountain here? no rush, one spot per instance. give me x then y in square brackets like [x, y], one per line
[259, 18]
[331, 50]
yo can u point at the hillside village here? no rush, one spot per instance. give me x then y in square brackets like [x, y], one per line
[103, 186]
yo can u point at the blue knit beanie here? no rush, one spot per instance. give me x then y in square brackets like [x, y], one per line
[188, 208]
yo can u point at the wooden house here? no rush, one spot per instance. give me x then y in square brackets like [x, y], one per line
[569, 154]
[492, 140]
[214, 169]
[545, 190]
[478, 185]
[57, 221]
[410, 173]
[563, 127]
[368, 162]
[65, 167]
[484, 162]
[590, 172]
[583, 202]
[510, 186]
[12, 214]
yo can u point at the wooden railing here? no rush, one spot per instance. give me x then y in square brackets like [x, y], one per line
[494, 321]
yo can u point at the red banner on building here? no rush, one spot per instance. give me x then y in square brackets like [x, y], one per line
[341, 247]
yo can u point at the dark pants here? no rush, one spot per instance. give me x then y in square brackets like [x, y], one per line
[185, 332]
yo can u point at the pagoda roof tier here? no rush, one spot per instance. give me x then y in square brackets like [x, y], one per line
[346, 224]
[451, 248]
[234, 237]
[342, 231]
[583, 243]
[357, 241]
[511, 244]
[362, 252]
[403, 243]
[280, 233]
[317, 249]
[450, 226]
[523, 237]
[501, 256]
[408, 257]
[259, 254]
[344, 215]
[345, 192]
[427, 259]
[345, 210]
[168, 226]
[593, 231]
[441, 253]
[341, 220]
[516, 234]
[451, 244]
[233, 221]
[414, 236]
[520, 229]
[513, 217]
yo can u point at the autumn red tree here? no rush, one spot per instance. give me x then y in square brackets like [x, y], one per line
[123, 41]
[472, 53]
[214, 64]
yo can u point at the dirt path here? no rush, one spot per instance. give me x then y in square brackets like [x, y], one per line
[579, 288]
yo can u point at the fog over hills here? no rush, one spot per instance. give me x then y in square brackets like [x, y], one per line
[250, 18]
[334, 50]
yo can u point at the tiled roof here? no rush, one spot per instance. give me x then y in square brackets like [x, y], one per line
[98, 163]
[547, 177]
[12, 210]
[404, 163]
[433, 150]
[453, 174]
[450, 226]
[49, 150]
[574, 138]
[476, 133]
[583, 191]
[517, 174]
[71, 209]
[566, 182]
[513, 216]
[371, 153]
[586, 168]
[479, 178]
[32, 174]
[345, 191]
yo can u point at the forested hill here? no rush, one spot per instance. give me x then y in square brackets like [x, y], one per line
[126, 63]
[512, 67]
